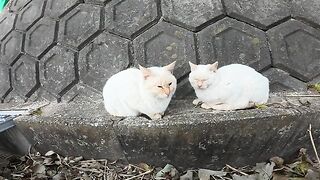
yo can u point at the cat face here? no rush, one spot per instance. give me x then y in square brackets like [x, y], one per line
[201, 76]
[159, 81]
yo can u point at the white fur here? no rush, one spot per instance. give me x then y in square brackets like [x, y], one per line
[129, 93]
[230, 87]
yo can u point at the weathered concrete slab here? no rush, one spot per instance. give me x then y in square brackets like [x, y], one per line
[80, 24]
[99, 2]
[280, 80]
[10, 47]
[306, 10]
[5, 83]
[57, 8]
[25, 78]
[40, 37]
[190, 137]
[261, 13]
[60, 127]
[7, 23]
[157, 32]
[127, 18]
[192, 14]
[186, 137]
[230, 41]
[164, 43]
[17, 5]
[30, 14]
[295, 48]
[57, 73]
[106, 55]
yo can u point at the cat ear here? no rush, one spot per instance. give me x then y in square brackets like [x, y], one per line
[145, 71]
[192, 66]
[213, 67]
[170, 67]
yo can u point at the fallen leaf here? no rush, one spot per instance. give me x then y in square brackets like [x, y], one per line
[315, 86]
[260, 106]
[204, 174]
[277, 160]
[264, 171]
[168, 171]
[49, 153]
[59, 176]
[187, 176]
[47, 161]
[312, 175]
[39, 169]
[145, 166]
[249, 177]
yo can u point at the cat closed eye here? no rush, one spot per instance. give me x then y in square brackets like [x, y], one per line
[170, 84]
[159, 86]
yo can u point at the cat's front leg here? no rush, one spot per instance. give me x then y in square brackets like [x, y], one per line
[155, 116]
[196, 101]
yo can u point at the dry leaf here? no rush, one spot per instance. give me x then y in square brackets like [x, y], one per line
[145, 166]
[264, 172]
[50, 153]
[277, 160]
[59, 176]
[39, 169]
[187, 176]
[312, 175]
[168, 171]
[204, 174]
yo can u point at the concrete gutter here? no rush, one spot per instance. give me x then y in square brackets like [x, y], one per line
[186, 137]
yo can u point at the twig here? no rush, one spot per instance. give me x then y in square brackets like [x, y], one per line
[234, 169]
[302, 95]
[88, 170]
[131, 165]
[105, 169]
[142, 174]
[313, 145]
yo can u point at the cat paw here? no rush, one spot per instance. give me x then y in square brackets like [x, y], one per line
[196, 102]
[205, 106]
[156, 116]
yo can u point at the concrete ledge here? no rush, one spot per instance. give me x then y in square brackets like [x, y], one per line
[186, 137]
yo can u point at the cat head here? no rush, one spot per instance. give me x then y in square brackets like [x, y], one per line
[159, 81]
[202, 76]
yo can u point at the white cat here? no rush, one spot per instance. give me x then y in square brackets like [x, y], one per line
[144, 90]
[230, 87]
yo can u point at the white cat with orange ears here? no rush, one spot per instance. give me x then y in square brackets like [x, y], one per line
[230, 87]
[148, 91]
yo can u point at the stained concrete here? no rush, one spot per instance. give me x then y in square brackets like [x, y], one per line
[186, 137]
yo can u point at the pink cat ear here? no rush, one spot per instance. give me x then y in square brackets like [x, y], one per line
[192, 66]
[170, 67]
[145, 71]
[213, 67]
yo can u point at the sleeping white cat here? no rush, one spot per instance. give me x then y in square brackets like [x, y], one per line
[144, 90]
[230, 87]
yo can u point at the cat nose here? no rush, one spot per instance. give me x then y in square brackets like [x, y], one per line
[199, 84]
[166, 91]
